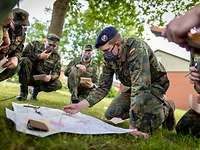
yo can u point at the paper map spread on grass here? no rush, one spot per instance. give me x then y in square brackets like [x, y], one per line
[57, 121]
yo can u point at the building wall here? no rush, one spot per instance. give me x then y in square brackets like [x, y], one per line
[180, 90]
[171, 62]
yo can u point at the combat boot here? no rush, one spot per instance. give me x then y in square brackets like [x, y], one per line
[74, 97]
[74, 100]
[170, 121]
[34, 93]
[23, 92]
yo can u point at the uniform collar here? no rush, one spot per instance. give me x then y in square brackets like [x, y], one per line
[124, 52]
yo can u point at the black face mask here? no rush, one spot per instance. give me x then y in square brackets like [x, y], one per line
[109, 56]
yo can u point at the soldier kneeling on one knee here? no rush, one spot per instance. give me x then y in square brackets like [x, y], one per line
[82, 75]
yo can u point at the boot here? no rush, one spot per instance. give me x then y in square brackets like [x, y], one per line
[23, 92]
[74, 100]
[170, 121]
[74, 96]
[34, 93]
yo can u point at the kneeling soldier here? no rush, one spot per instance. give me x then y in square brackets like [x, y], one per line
[40, 67]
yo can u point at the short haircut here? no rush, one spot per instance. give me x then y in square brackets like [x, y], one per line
[114, 39]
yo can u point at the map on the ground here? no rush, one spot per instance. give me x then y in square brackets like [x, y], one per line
[58, 121]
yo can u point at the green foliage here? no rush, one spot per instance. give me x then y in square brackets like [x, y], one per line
[37, 31]
[128, 16]
[112, 93]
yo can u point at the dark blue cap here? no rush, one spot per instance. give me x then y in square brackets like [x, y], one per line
[105, 35]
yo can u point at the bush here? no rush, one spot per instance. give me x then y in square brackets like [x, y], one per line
[112, 93]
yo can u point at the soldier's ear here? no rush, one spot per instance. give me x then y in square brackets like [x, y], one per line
[118, 43]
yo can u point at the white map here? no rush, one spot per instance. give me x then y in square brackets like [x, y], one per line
[58, 121]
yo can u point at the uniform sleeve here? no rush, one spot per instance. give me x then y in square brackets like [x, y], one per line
[70, 65]
[140, 73]
[17, 47]
[55, 74]
[30, 52]
[105, 83]
[94, 75]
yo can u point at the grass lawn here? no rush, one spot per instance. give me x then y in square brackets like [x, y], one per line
[12, 140]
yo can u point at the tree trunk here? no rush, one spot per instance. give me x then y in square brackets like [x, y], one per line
[60, 8]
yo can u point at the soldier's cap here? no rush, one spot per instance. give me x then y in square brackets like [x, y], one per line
[20, 17]
[105, 35]
[88, 47]
[53, 37]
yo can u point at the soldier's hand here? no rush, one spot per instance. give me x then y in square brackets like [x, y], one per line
[44, 55]
[81, 67]
[136, 133]
[75, 108]
[177, 30]
[46, 78]
[11, 63]
[194, 75]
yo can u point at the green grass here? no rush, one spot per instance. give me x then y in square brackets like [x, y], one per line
[10, 139]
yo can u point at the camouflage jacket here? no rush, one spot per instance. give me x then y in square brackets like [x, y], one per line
[91, 69]
[17, 39]
[137, 68]
[50, 66]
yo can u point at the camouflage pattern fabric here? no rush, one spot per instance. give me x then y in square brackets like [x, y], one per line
[79, 91]
[31, 65]
[17, 38]
[139, 69]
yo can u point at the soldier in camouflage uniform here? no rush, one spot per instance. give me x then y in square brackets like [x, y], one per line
[190, 122]
[40, 58]
[17, 38]
[77, 69]
[136, 66]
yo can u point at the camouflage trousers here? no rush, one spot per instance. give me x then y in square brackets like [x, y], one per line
[77, 90]
[8, 73]
[146, 115]
[189, 124]
[26, 73]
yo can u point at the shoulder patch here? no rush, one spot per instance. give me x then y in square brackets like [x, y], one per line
[131, 50]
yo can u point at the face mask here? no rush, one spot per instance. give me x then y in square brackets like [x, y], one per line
[109, 56]
[86, 57]
[50, 47]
